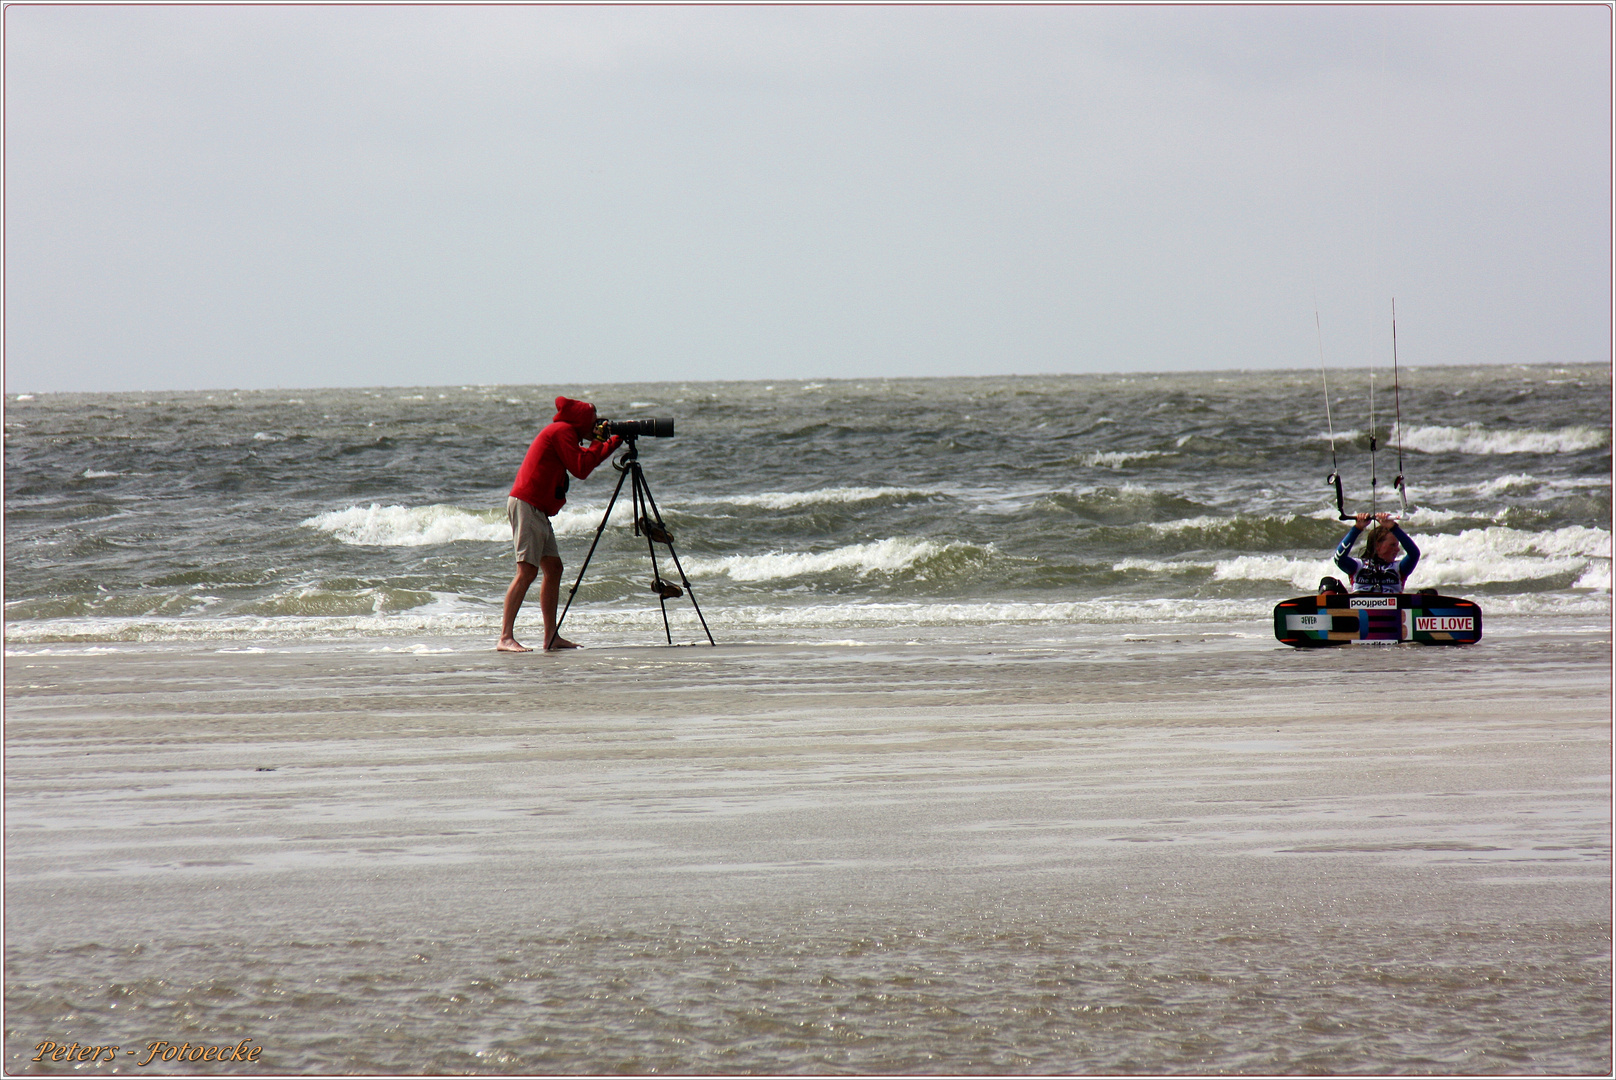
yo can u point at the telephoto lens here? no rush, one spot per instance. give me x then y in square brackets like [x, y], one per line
[659, 428]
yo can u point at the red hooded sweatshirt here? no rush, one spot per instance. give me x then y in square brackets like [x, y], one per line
[542, 479]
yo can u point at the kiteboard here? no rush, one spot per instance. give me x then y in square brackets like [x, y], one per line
[1345, 618]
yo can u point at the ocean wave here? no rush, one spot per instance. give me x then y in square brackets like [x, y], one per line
[1196, 524]
[1124, 504]
[879, 556]
[1570, 541]
[1512, 485]
[1471, 557]
[422, 526]
[1159, 566]
[879, 615]
[409, 526]
[1597, 576]
[577, 520]
[1427, 516]
[1116, 459]
[596, 621]
[1240, 532]
[1474, 439]
[787, 500]
[1498, 554]
[243, 628]
[314, 600]
[1300, 573]
[474, 631]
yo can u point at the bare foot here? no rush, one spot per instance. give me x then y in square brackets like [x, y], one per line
[510, 644]
[559, 643]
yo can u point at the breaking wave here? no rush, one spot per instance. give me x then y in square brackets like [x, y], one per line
[788, 500]
[409, 526]
[1473, 439]
[880, 556]
[422, 526]
[1116, 459]
[1472, 557]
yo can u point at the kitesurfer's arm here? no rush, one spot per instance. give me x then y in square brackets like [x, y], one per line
[1411, 551]
[1343, 557]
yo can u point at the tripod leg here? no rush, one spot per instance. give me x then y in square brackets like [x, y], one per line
[692, 594]
[642, 495]
[685, 581]
[592, 544]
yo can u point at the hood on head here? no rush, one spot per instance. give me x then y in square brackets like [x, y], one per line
[579, 414]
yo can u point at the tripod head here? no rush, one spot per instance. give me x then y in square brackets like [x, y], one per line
[628, 457]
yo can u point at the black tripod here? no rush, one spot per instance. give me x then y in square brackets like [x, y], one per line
[647, 523]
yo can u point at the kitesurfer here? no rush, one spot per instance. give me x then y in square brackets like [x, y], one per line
[1380, 571]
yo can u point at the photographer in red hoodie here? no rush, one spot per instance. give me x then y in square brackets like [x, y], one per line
[539, 492]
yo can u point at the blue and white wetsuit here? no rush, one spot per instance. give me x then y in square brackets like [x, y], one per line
[1371, 575]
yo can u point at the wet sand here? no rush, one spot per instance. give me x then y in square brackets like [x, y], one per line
[883, 856]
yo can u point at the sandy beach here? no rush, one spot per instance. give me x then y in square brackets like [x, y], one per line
[1147, 853]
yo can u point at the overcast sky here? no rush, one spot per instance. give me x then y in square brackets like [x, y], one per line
[304, 196]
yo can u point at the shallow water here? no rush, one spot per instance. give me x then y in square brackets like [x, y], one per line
[1009, 852]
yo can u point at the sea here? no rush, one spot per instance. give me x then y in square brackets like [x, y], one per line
[823, 509]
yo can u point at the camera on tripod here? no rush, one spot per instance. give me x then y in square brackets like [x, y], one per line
[659, 428]
[646, 517]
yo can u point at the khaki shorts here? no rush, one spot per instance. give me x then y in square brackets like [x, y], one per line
[530, 532]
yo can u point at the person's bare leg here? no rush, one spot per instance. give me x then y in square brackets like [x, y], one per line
[525, 573]
[549, 593]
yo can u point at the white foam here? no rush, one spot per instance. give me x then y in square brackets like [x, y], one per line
[97, 474]
[1597, 576]
[1471, 557]
[1492, 570]
[898, 614]
[1425, 515]
[1205, 521]
[599, 623]
[1474, 439]
[1570, 541]
[1509, 484]
[1494, 554]
[575, 520]
[410, 526]
[786, 500]
[1515, 486]
[1159, 566]
[1302, 573]
[1116, 459]
[886, 556]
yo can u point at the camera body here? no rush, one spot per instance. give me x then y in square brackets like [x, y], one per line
[660, 427]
